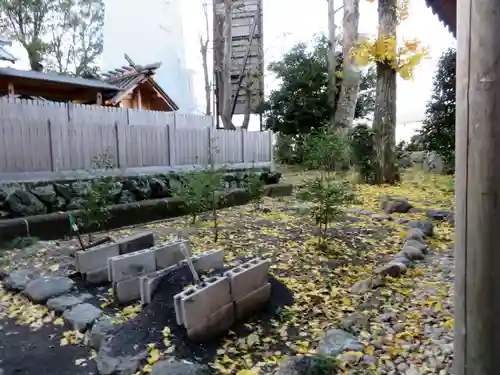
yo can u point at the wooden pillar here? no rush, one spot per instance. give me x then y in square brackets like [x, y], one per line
[477, 245]
[10, 90]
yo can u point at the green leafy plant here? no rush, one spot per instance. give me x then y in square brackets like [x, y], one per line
[95, 204]
[325, 192]
[322, 365]
[363, 152]
[255, 187]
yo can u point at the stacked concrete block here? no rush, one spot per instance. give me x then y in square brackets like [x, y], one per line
[149, 283]
[136, 242]
[93, 262]
[205, 310]
[250, 288]
[171, 253]
[207, 261]
[212, 307]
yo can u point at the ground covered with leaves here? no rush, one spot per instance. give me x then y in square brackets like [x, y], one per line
[405, 325]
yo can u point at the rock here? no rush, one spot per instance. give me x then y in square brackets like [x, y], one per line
[391, 269]
[412, 253]
[159, 189]
[433, 162]
[64, 191]
[416, 244]
[75, 204]
[355, 320]
[139, 187]
[336, 341]
[426, 226]
[399, 205]
[381, 217]
[18, 280]
[82, 316]
[59, 205]
[415, 234]
[271, 178]
[361, 287]
[119, 365]
[63, 303]
[23, 203]
[302, 365]
[126, 197]
[47, 193]
[101, 328]
[81, 189]
[438, 215]
[401, 258]
[179, 367]
[46, 287]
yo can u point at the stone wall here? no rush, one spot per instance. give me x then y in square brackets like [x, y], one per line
[29, 199]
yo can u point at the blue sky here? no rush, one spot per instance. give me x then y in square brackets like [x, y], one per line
[287, 22]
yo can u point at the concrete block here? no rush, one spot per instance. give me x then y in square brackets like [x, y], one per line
[95, 258]
[209, 260]
[178, 308]
[170, 253]
[136, 242]
[213, 325]
[97, 277]
[127, 266]
[127, 291]
[198, 303]
[150, 282]
[248, 277]
[252, 302]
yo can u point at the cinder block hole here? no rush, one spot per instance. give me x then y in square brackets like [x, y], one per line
[189, 292]
[236, 270]
[211, 280]
[246, 266]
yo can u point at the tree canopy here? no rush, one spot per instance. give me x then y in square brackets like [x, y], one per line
[300, 104]
[438, 130]
[64, 35]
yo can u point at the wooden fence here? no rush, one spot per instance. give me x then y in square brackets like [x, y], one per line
[60, 145]
[93, 114]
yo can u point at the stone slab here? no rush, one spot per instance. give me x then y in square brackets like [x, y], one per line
[248, 277]
[136, 242]
[209, 260]
[127, 266]
[170, 253]
[149, 283]
[199, 302]
[95, 258]
[252, 302]
[213, 325]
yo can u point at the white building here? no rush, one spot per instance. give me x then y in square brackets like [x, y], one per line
[150, 31]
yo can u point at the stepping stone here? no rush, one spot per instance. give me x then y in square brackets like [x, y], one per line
[63, 303]
[336, 341]
[18, 280]
[82, 316]
[46, 287]
[101, 328]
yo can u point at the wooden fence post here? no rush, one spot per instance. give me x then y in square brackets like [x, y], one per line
[242, 145]
[171, 145]
[477, 257]
[271, 149]
[121, 145]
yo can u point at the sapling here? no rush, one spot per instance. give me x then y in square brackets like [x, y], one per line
[255, 188]
[327, 194]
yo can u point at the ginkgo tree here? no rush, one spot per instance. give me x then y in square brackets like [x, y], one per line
[391, 59]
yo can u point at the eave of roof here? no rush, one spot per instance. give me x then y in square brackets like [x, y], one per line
[449, 20]
[57, 78]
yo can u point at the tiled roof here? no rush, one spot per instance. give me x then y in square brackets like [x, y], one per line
[446, 10]
[4, 54]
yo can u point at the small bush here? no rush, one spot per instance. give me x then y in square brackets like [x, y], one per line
[363, 152]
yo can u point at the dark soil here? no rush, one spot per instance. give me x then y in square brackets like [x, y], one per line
[23, 352]
[133, 336]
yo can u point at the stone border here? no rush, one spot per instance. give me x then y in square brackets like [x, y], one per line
[56, 226]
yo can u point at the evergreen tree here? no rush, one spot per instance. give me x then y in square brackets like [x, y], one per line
[438, 131]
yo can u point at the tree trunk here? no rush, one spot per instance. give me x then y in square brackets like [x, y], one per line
[226, 110]
[34, 56]
[384, 121]
[346, 105]
[204, 61]
[332, 61]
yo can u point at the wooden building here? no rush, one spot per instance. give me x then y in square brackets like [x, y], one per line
[446, 10]
[131, 87]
